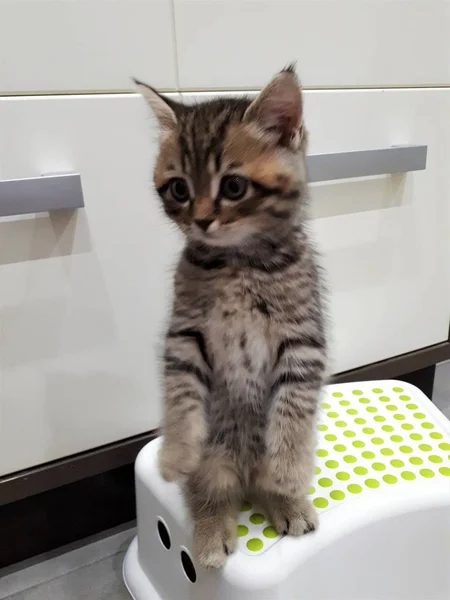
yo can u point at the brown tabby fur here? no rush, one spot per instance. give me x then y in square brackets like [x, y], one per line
[245, 353]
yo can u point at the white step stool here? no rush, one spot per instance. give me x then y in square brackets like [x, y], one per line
[382, 488]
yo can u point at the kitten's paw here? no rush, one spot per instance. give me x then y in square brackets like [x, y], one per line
[177, 461]
[294, 517]
[214, 541]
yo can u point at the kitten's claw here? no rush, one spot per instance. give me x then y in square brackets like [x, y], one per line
[294, 518]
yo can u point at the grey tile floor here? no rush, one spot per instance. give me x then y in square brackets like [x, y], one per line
[93, 570]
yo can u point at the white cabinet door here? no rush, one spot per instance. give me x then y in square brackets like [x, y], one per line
[238, 44]
[385, 240]
[84, 294]
[84, 45]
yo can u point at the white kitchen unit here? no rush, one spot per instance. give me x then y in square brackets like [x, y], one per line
[85, 45]
[84, 293]
[385, 239]
[232, 44]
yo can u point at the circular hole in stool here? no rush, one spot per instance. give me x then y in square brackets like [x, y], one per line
[164, 534]
[188, 566]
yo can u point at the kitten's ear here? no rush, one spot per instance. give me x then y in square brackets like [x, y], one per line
[278, 109]
[163, 109]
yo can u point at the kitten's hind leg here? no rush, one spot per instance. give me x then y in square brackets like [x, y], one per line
[213, 494]
[291, 515]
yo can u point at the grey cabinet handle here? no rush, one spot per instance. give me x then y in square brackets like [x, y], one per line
[40, 194]
[64, 191]
[364, 163]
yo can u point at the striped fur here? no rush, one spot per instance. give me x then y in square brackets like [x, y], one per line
[245, 355]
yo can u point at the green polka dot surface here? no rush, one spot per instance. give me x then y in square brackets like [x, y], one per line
[371, 436]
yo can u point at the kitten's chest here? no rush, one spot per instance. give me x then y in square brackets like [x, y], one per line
[238, 334]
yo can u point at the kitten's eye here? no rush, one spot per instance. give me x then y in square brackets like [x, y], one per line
[179, 190]
[233, 187]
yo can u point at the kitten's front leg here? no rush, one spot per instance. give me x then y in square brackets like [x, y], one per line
[213, 493]
[187, 381]
[290, 439]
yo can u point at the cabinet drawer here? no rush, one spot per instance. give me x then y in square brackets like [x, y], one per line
[232, 44]
[385, 240]
[73, 45]
[84, 294]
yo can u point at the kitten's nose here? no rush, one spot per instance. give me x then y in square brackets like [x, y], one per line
[204, 223]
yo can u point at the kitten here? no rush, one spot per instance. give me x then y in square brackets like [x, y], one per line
[245, 354]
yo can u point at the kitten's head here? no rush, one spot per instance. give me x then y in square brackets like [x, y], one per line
[232, 170]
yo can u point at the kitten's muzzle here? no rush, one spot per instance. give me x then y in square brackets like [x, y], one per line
[204, 223]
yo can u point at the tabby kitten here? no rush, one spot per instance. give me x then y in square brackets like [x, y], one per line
[245, 352]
